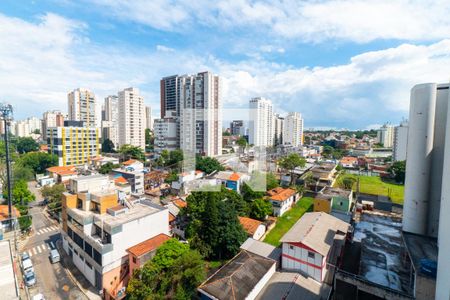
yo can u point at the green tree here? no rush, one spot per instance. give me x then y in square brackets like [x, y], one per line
[398, 171]
[208, 164]
[271, 181]
[260, 208]
[20, 193]
[327, 151]
[291, 162]
[130, 151]
[175, 157]
[54, 196]
[22, 173]
[214, 228]
[108, 146]
[24, 219]
[38, 161]
[26, 144]
[173, 176]
[107, 168]
[174, 273]
[346, 182]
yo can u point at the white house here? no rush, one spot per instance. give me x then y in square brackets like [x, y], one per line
[254, 228]
[282, 200]
[313, 244]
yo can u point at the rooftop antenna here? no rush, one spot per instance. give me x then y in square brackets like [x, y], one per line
[6, 114]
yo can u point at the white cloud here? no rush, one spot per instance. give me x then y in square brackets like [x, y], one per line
[163, 48]
[44, 60]
[314, 21]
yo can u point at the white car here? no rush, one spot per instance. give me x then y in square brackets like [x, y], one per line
[38, 297]
[27, 265]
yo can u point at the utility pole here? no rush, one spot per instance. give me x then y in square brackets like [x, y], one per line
[6, 114]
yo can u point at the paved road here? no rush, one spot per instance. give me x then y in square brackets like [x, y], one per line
[52, 279]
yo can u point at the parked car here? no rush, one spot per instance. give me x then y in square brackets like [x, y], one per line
[27, 265]
[54, 256]
[30, 278]
[25, 256]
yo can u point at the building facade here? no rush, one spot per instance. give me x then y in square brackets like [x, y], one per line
[237, 127]
[51, 119]
[110, 123]
[74, 144]
[166, 134]
[97, 231]
[386, 135]
[427, 193]
[293, 130]
[82, 107]
[261, 129]
[278, 123]
[131, 118]
[148, 118]
[400, 141]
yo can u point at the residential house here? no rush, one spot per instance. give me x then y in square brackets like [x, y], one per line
[62, 174]
[314, 244]
[254, 228]
[154, 179]
[140, 253]
[184, 178]
[334, 201]
[97, 230]
[98, 161]
[4, 216]
[323, 175]
[349, 162]
[242, 277]
[133, 171]
[232, 180]
[282, 200]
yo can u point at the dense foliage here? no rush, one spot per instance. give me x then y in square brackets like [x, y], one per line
[208, 164]
[398, 171]
[53, 194]
[291, 162]
[107, 168]
[174, 273]
[108, 146]
[38, 161]
[130, 151]
[26, 144]
[260, 209]
[214, 228]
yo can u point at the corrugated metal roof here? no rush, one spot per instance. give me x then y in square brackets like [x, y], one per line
[316, 230]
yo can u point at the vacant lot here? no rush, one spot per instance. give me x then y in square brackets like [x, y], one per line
[285, 222]
[375, 186]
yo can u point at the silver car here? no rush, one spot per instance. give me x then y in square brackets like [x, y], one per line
[30, 278]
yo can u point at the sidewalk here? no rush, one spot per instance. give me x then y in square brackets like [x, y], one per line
[75, 275]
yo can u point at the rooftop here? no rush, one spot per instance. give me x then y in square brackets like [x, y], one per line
[281, 194]
[316, 230]
[179, 203]
[420, 247]
[129, 162]
[148, 245]
[62, 170]
[261, 248]
[4, 215]
[238, 277]
[250, 225]
[330, 192]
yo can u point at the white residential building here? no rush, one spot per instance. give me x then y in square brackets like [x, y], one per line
[82, 107]
[261, 129]
[148, 118]
[400, 141]
[201, 114]
[131, 118]
[293, 130]
[166, 133]
[110, 126]
[97, 230]
[26, 128]
[51, 119]
[386, 135]
[278, 123]
[426, 207]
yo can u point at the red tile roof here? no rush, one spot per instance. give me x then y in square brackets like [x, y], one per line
[120, 180]
[280, 194]
[171, 218]
[129, 162]
[4, 212]
[180, 203]
[250, 225]
[148, 245]
[62, 170]
[234, 177]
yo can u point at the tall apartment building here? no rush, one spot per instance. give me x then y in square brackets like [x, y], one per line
[97, 230]
[426, 208]
[293, 130]
[131, 118]
[261, 129]
[110, 124]
[50, 119]
[73, 143]
[82, 107]
[237, 127]
[148, 118]
[386, 135]
[166, 133]
[400, 141]
[195, 101]
[201, 114]
[278, 124]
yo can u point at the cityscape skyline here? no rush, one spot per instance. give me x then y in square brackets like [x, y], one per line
[365, 78]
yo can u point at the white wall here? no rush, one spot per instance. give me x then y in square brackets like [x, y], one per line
[260, 285]
[259, 232]
[302, 254]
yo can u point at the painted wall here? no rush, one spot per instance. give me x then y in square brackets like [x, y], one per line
[295, 257]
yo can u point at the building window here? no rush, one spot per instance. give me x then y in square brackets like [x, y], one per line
[291, 247]
[134, 260]
[88, 264]
[311, 254]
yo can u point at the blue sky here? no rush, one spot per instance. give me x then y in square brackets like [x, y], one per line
[342, 64]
